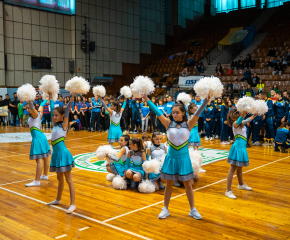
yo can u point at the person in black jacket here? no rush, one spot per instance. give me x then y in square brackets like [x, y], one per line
[271, 52]
[254, 80]
[13, 108]
[218, 70]
[247, 61]
[234, 64]
[241, 63]
[125, 115]
[278, 68]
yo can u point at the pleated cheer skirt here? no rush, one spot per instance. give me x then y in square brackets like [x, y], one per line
[177, 165]
[118, 168]
[115, 133]
[61, 159]
[194, 139]
[39, 146]
[238, 155]
[136, 169]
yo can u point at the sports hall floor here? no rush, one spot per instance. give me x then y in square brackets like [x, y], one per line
[105, 213]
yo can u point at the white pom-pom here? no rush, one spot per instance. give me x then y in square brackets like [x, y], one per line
[105, 152]
[77, 85]
[245, 104]
[184, 97]
[99, 90]
[26, 93]
[141, 86]
[146, 186]
[196, 160]
[126, 92]
[151, 166]
[261, 107]
[208, 86]
[119, 183]
[49, 84]
[110, 176]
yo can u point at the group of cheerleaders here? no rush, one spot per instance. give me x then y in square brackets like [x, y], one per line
[182, 132]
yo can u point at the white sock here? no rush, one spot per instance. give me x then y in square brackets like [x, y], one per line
[71, 209]
[55, 202]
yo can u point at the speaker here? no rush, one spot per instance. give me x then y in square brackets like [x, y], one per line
[92, 46]
[84, 45]
[71, 66]
[40, 62]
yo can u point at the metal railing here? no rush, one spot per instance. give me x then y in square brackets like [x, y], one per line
[215, 52]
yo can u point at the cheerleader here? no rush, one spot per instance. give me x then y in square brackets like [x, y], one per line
[39, 149]
[238, 156]
[62, 161]
[145, 140]
[115, 112]
[177, 164]
[156, 151]
[118, 167]
[135, 158]
[194, 139]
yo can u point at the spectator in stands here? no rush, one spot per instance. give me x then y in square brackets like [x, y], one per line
[260, 86]
[247, 75]
[154, 75]
[287, 56]
[278, 68]
[252, 62]
[254, 80]
[230, 92]
[241, 63]
[283, 61]
[237, 87]
[277, 54]
[275, 89]
[272, 63]
[234, 64]
[199, 67]
[218, 70]
[168, 86]
[250, 92]
[243, 92]
[247, 61]
[165, 76]
[229, 85]
[177, 92]
[271, 52]
[184, 72]
[189, 62]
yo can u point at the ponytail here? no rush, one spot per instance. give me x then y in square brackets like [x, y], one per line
[138, 142]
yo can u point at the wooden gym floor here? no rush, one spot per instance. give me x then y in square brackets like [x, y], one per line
[105, 213]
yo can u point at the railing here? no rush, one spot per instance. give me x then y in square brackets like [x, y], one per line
[215, 52]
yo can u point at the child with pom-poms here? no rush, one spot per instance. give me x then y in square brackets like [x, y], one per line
[39, 149]
[238, 156]
[177, 164]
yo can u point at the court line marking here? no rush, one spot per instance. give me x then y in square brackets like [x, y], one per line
[77, 214]
[61, 236]
[34, 178]
[180, 195]
[82, 229]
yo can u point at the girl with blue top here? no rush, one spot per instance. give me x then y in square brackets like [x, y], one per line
[156, 151]
[62, 161]
[282, 135]
[169, 106]
[115, 113]
[118, 166]
[208, 121]
[135, 158]
[177, 165]
[194, 139]
[39, 149]
[145, 116]
[238, 156]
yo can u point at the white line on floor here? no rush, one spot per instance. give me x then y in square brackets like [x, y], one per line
[79, 215]
[61, 236]
[180, 195]
[82, 229]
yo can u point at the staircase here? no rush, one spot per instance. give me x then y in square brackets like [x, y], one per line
[210, 70]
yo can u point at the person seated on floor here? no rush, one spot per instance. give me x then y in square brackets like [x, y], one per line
[282, 136]
[75, 124]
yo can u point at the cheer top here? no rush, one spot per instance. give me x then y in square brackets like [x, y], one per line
[136, 160]
[35, 123]
[57, 134]
[157, 153]
[116, 118]
[178, 134]
[124, 157]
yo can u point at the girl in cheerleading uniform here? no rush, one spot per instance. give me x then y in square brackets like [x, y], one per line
[238, 156]
[115, 112]
[177, 164]
[156, 151]
[62, 161]
[118, 166]
[39, 149]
